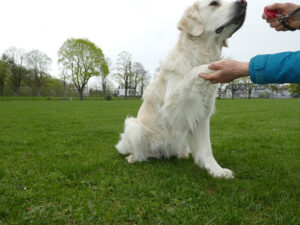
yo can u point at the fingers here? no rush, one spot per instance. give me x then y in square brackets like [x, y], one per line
[215, 66]
[206, 76]
[276, 6]
[272, 20]
[281, 28]
[283, 8]
[210, 77]
[278, 26]
[275, 24]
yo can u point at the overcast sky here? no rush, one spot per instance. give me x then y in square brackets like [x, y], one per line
[145, 28]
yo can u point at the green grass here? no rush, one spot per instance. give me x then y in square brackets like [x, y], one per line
[58, 165]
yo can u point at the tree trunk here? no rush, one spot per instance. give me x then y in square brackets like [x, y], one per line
[1, 90]
[104, 90]
[81, 94]
[142, 90]
[64, 88]
[220, 93]
[16, 90]
[32, 91]
[38, 91]
[126, 87]
[233, 92]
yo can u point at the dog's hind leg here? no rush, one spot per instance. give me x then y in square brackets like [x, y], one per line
[130, 159]
[184, 154]
[133, 142]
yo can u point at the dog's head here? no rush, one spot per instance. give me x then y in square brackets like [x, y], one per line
[214, 18]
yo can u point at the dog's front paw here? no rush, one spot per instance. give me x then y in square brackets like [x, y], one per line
[130, 159]
[222, 173]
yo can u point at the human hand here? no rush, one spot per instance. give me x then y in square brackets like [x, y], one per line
[226, 71]
[283, 9]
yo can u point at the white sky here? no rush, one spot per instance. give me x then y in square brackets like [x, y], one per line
[145, 28]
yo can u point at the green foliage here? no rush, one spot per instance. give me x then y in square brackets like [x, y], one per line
[3, 74]
[295, 88]
[38, 64]
[104, 68]
[83, 60]
[15, 75]
[58, 165]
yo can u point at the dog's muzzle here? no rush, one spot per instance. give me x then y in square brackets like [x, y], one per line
[238, 18]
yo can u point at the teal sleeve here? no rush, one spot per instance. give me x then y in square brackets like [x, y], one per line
[277, 68]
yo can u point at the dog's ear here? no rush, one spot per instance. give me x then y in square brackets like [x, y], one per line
[190, 22]
[225, 43]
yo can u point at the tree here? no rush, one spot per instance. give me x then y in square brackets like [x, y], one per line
[15, 60]
[3, 74]
[29, 81]
[295, 89]
[144, 79]
[220, 90]
[64, 77]
[124, 71]
[139, 74]
[249, 86]
[274, 88]
[83, 60]
[38, 63]
[104, 71]
[233, 86]
[53, 87]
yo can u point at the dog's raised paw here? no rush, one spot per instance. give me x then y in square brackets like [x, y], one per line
[130, 159]
[223, 173]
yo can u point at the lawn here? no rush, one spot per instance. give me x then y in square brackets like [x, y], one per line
[58, 165]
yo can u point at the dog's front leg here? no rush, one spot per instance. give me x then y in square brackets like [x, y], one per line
[199, 143]
[181, 95]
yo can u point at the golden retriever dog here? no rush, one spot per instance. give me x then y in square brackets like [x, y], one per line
[174, 117]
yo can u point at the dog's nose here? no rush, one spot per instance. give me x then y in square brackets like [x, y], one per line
[242, 3]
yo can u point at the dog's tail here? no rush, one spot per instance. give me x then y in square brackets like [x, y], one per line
[131, 138]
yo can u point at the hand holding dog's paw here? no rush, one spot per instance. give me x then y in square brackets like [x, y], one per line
[226, 71]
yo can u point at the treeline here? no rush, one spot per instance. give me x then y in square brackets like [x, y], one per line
[27, 73]
[19, 68]
[244, 88]
[131, 76]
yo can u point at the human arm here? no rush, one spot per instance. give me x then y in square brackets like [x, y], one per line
[276, 68]
[263, 69]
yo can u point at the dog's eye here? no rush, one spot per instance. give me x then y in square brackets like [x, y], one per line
[214, 3]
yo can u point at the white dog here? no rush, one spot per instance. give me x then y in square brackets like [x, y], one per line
[174, 117]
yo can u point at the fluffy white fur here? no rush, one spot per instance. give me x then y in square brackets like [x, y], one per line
[174, 117]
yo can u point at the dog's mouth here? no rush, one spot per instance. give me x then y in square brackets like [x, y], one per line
[237, 20]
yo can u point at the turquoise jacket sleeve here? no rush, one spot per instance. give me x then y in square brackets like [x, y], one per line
[277, 68]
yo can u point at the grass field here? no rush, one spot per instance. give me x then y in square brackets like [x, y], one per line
[58, 165]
